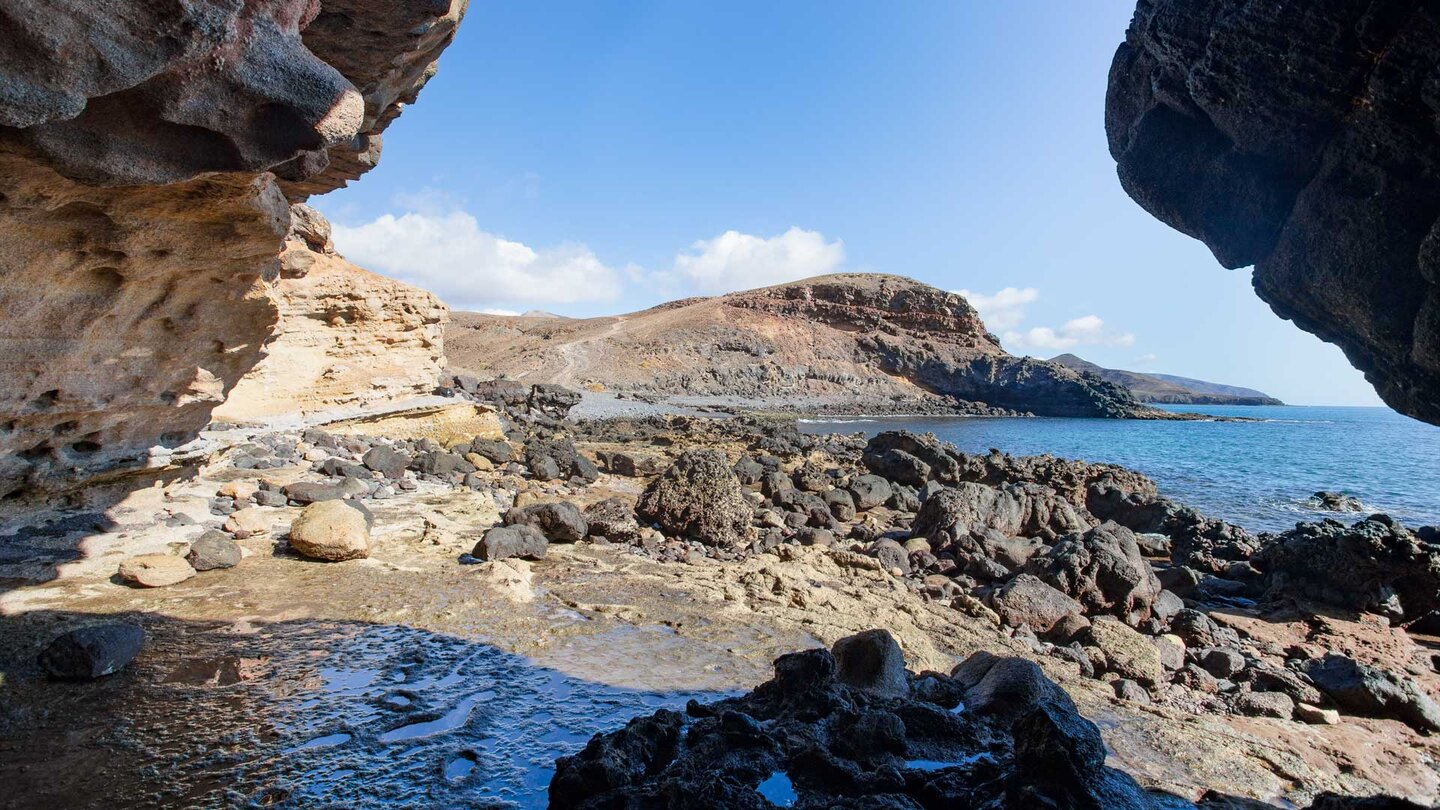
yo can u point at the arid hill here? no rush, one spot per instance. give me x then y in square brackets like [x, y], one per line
[864, 342]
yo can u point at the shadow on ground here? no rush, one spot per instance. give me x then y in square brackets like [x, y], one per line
[295, 714]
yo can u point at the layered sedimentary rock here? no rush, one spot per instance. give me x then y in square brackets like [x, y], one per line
[1300, 137]
[345, 337]
[140, 223]
[832, 341]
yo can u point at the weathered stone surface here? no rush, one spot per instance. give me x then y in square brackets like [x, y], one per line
[1025, 601]
[561, 521]
[1364, 566]
[140, 226]
[699, 497]
[344, 337]
[1365, 690]
[1104, 570]
[1299, 137]
[1017, 509]
[156, 570]
[503, 542]
[92, 652]
[213, 550]
[330, 530]
[1127, 653]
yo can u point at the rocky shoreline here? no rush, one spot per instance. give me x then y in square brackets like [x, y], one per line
[1125, 596]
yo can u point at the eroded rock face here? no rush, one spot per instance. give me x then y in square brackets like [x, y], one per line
[125, 314]
[139, 222]
[1299, 136]
[343, 336]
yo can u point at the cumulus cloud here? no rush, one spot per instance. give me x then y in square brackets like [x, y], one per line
[740, 261]
[1089, 330]
[1004, 309]
[1004, 312]
[470, 268]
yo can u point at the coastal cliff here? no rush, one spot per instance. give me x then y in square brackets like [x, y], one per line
[860, 342]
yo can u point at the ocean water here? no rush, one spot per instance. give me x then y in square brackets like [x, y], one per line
[1254, 473]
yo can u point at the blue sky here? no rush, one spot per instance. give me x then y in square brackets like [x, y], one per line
[589, 157]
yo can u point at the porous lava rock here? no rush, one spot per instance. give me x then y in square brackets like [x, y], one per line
[698, 497]
[1299, 136]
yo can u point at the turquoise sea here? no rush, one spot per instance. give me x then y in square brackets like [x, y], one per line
[1255, 473]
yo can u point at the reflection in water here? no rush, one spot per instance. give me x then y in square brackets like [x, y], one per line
[778, 789]
[425, 718]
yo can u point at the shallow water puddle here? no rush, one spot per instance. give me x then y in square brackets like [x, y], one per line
[778, 789]
[434, 720]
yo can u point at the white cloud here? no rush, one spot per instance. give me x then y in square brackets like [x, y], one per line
[1145, 359]
[1088, 330]
[739, 261]
[469, 268]
[493, 311]
[1004, 309]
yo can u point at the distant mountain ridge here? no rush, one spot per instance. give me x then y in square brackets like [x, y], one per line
[1169, 389]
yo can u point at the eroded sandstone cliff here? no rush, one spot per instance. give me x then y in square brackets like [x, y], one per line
[148, 156]
[345, 337]
[1300, 137]
[853, 340]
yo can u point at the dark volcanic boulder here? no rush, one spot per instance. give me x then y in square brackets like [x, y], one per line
[213, 549]
[1371, 692]
[1364, 567]
[92, 652]
[554, 401]
[561, 521]
[698, 497]
[502, 542]
[548, 459]
[1025, 601]
[612, 519]
[1299, 136]
[955, 512]
[1104, 570]
[810, 740]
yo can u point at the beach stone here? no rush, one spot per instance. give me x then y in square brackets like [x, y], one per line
[1221, 663]
[1371, 692]
[332, 531]
[1026, 601]
[1104, 570]
[496, 451]
[698, 497]
[156, 570]
[504, 542]
[241, 491]
[387, 461]
[871, 660]
[1265, 704]
[1128, 654]
[1172, 651]
[95, 651]
[891, 554]
[213, 550]
[249, 522]
[560, 521]
[1316, 716]
[870, 491]
[1130, 691]
[271, 498]
[306, 492]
